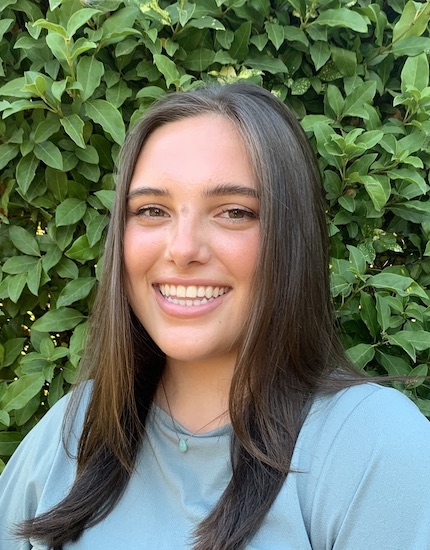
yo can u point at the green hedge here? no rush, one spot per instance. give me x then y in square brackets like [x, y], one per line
[74, 77]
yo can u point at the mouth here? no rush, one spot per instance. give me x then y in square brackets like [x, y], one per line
[191, 295]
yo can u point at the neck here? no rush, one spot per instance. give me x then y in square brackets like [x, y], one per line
[196, 393]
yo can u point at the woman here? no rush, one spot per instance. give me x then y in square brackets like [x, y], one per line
[222, 413]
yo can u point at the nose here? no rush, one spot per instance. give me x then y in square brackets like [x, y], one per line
[188, 243]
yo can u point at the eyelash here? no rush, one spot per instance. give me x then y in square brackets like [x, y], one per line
[242, 211]
[144, 212]
[160, 213]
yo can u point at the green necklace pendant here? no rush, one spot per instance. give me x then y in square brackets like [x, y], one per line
[183, 447]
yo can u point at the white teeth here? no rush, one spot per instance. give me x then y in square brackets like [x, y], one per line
[186, 295]
[191, 292]
[180, 291]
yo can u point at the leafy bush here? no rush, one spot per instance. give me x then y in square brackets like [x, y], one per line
[75, 76]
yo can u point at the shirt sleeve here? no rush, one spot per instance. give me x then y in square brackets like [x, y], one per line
[373, 488]
[36, 477]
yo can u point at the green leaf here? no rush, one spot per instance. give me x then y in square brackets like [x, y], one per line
[12, 350]
[95, 229]
[379, 190]
[240, 45]
[81, 250]
[74, 127]
[320, 54]
[58, 89]
[151, 91]
[267, 64]
[106, 197]
[342, 17]
[360, 95]
[411, 46]
[16, 285]
[167, 68]
[207, 22]
[26, 171]
[118, 94]
[57, 45]
[24, 241]
[19, 264]
[7, 153]
[275, 32]
[23, 415]
[50, 26]
[345, 60]
[357, 260]
[22, 105]
[109, 118]
[9, 441]
[46, 129]
[294, 34]
[70, 211]
[15, 88]
[75, 290]
[67, 269]
[368, 313]
[52, 257]
[200, 59]
[89, 72]
[395, 366]
[361, 354]
[4, 418]
[49, 153]
[413, 21]
[33, 278]
[418, 376]
[335, 99]
[415, 72]
[411, 341]
[390, 281]
[121, 19]
[259, 41]
[56, 390]
[58, 320]
[57, 183]
[19, 392]
[4, 26]
[78, 19]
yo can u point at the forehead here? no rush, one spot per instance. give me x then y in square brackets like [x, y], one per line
[201, 149]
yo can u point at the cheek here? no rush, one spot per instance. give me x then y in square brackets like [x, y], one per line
[241, 255]
[140, 251]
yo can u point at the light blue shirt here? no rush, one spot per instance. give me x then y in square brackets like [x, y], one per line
[363, 481]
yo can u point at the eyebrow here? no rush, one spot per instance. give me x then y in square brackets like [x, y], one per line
[157, 191]
[222, 189]
[230, 189]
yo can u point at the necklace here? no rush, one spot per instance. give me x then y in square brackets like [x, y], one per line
[182, 443]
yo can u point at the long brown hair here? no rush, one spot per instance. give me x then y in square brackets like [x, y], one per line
[289, 352]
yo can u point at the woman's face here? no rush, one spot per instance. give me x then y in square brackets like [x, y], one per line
[191, 238]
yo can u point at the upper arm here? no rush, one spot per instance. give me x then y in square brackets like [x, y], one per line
[373, 488]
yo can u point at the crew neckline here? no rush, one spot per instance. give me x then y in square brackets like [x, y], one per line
[160, 416]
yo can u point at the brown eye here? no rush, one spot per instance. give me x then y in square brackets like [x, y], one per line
[151, 212]
[237, 214]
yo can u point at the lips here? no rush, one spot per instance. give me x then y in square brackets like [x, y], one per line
[191, 295]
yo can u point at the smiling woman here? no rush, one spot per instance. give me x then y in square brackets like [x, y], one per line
[198, 225]
[216, 409]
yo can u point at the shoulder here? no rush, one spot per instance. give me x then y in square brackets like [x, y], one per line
[370, 409]
[62, 423]
[364, 419]
[66, 416]
[361, 448]
[43, 467]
